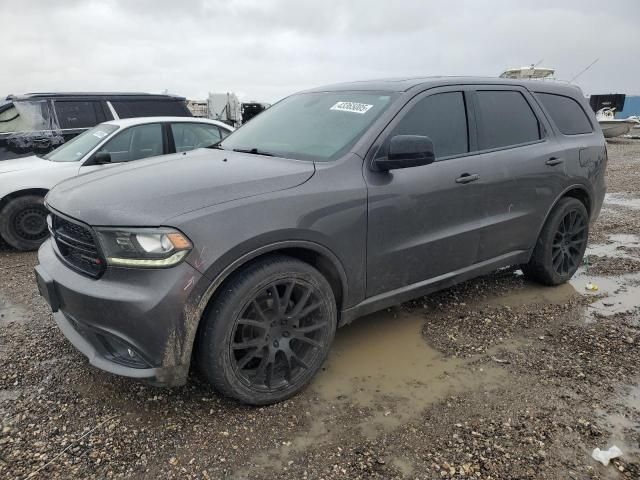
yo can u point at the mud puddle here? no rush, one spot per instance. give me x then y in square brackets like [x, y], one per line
[382, 368]
[621, 200]
[9, 312]
[383, 363]
[533, 293]
[622, 421]
[624, 245]
[614, 294]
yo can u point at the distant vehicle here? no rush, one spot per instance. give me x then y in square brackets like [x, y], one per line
[332, 204]
[251, 109]
[25, 181]
[39, 122]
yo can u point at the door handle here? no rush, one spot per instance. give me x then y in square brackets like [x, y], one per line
[467, 178]
[554, 161]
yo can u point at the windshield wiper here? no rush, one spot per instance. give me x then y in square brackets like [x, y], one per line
[254, 151]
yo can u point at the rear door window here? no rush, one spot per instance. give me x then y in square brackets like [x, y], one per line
[78, 114]
[505, 119]
[566, 113]
[442, 117]
[188, 136]
[135, 143]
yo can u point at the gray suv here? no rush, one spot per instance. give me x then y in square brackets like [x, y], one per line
[243, 258]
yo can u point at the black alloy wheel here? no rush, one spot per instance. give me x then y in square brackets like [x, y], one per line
[569, 242]
[561, 244]
[268, 331]
[278, 335]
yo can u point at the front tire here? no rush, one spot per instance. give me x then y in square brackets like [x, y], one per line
[561, 245]
[23, 222]
[268, 332]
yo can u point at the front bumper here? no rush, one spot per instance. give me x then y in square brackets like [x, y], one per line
[129, 322]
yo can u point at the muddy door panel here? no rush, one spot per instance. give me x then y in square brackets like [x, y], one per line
[422, 223]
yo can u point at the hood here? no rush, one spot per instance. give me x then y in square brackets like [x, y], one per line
[26, 163]
[149, 192]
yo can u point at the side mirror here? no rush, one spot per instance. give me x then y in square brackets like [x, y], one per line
[407, 151]
[101, 158]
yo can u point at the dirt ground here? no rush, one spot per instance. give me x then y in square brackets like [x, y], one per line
[497, 378]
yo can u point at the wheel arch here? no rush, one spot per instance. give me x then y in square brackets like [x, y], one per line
[312, 253]
[21, 193]
[579, 192]
[315, 254]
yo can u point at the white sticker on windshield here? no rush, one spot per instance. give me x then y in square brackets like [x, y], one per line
[353, 107]
[100, 134]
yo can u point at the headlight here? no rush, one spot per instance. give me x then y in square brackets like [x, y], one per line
[143, 247]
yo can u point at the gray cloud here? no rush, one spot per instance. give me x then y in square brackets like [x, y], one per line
[267, 49]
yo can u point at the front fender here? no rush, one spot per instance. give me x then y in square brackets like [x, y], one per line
[216, 274]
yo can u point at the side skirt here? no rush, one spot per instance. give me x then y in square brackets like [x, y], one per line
[409, 292]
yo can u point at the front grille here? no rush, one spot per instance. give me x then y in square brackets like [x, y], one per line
[77, 246]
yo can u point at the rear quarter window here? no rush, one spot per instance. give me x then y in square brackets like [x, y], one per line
[505, 119]
[566, 113]
[150, 108]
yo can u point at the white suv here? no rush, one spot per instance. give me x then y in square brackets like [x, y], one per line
[25, 181]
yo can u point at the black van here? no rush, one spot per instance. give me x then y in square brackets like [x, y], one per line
[39, 122]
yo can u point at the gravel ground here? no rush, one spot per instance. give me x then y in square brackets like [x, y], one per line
[507, 380]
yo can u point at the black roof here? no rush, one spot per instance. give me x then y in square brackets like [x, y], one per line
[96, 96]
[407, 83]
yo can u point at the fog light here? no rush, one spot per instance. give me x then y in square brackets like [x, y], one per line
[122, 353]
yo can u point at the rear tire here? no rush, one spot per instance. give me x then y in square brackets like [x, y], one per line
[561, 244]
[23, 222]
[268, 332]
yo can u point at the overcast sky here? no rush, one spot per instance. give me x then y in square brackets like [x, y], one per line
[266, 49]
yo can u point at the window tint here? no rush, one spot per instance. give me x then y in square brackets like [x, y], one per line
[566, 113]
[188, 136]
[134, 143]
[505, 118]
[150, 108]
[441, 117]
[78, 114]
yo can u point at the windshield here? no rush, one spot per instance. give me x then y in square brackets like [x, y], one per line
[79, 146]
[311, 126]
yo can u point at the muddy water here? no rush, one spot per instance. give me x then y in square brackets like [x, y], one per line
[534, 293]
[622, 200]
[615, 294]
[624, 418]
[10, 312]
[383, 363]
[618, 245]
